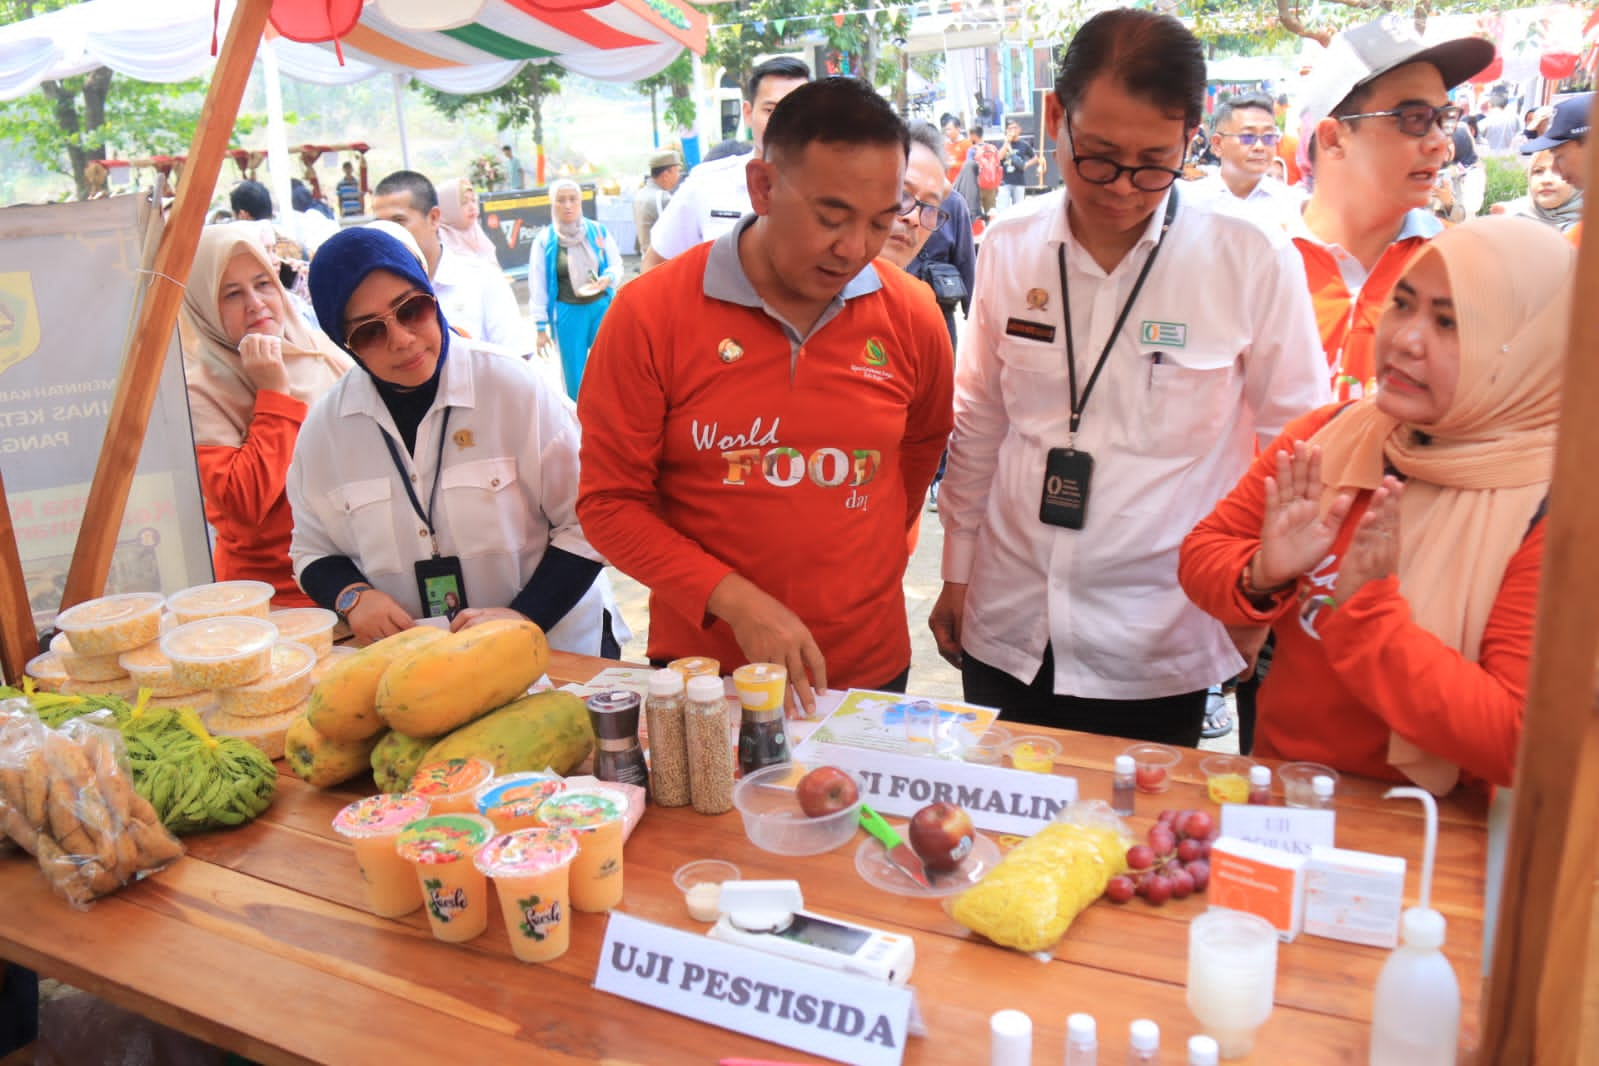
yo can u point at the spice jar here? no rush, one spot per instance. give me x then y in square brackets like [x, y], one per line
[710, 751]
[663, 714]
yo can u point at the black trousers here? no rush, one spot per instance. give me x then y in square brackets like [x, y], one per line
[1247, 693]
[1166, 719]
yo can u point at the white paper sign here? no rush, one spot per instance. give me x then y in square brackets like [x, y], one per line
[810, 1008]
[1291, 829]
[998, 799]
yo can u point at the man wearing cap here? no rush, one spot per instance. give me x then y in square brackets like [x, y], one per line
[1377, 124]
[1564, 140]
[716, 194]
[666, 170]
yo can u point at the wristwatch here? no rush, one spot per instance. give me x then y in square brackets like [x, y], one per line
[348, 599]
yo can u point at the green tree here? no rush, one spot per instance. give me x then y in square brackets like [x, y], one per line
[517, 103]
[677, 80]
[754, 27]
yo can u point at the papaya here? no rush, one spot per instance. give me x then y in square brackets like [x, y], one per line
[395, 759]
[321, 760]
[448, 683]
[342, 703]
[547, 731]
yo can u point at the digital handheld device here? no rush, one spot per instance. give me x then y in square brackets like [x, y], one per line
[767, 916]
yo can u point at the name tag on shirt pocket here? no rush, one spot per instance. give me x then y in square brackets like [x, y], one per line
[480, 518]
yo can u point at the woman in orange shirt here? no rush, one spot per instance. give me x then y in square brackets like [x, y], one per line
[254, 368]
[1394, 544]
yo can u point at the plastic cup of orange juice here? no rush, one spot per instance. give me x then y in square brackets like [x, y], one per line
[449, 784]
[595, 815]
[760, 686]
[512, 802]
[531, 870]
[454, 892]
[372, 826]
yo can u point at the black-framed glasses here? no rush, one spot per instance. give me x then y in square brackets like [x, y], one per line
[1249, 140]
[930, 217]
[1097, 170]
[414, 310]
[1415, 120]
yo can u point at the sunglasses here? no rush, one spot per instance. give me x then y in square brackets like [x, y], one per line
[373, 332]
[1415, 120]
[1249, 140]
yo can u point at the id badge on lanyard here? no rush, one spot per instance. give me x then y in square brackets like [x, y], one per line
[440, 585]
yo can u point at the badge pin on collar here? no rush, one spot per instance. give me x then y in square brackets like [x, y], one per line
[463, 438]
[730, 350]
[1037, 299]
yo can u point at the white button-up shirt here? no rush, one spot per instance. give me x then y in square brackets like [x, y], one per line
[710, 201]
[1270, 203]
[477, 298]
[508, 488]
[1219, 351]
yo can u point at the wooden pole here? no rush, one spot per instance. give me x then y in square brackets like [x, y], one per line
[19, 641]
[158, 311]
[1534, 1007]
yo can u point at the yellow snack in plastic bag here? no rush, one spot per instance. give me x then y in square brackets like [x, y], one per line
[1029, 899]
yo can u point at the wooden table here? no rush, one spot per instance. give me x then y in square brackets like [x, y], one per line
[258, 941]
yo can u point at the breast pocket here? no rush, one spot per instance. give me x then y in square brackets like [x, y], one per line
[1033, 383]
[484, 507]
[1191, 396]
[365, 517]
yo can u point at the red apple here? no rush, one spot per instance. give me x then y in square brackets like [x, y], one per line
[941, 835]
[826, 790]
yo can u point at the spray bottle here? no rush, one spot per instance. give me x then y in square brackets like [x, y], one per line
[1416, 1018]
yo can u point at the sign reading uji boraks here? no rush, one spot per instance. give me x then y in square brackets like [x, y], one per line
[823, 1012]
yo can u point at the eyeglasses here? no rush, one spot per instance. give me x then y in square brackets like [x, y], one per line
[930, 217]
[1416, 120]
[373, 332]
[1249, 140]
[1097, 170]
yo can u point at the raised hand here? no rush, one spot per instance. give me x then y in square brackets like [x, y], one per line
[1294, 535]
[1373, 552]
[262, 359]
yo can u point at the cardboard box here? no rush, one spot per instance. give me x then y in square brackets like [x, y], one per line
[1259, 880]
[1355, 896]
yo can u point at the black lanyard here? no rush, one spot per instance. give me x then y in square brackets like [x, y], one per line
[1080, 402]
[438, 475]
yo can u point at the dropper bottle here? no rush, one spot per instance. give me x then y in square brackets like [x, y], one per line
[1082, 1041]
[1415, 1020]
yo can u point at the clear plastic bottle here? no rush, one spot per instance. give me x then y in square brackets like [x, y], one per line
[663, 715]
[1143, 1043]
[1082, 1040]
[1321, 791]
[708, 731]
[1010, 1039]
[1203, 1051]
[1260, 785]
[1124, 785]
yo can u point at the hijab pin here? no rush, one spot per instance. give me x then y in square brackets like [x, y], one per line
[463, 438]
[730, 351]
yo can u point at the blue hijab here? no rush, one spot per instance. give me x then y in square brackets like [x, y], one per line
[342, 262]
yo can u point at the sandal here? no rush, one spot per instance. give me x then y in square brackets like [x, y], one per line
[1218, 719]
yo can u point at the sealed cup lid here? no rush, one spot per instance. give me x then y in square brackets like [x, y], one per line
[517, 795]
[443, 838]
[527, 852]
[380, 815]
[583, 808]
[450, 776]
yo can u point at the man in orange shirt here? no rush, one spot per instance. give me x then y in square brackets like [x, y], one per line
[1564, 140]
[763, 414]
[1377, 122]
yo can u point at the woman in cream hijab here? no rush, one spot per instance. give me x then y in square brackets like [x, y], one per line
[1394, 543]
[572, 273]
[254, 368]
[459, 228]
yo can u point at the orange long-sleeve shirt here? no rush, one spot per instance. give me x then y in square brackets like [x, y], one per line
[711, 446]
[245, 502]
[1343, 678]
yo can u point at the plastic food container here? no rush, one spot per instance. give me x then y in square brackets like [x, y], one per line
[266, 733]
[201, 703]
[47, 672]
[1153, 765]
[112, 624]
[311, 626]
[150, 668]
[220, 652]
[288, 681]
[989, 748]
[1227, 777]
[1034, 753]
[122, 687]
[85, 667]
[234, 599]
[773, 819]
[1297, 777]
[701, 885]
[320, 669]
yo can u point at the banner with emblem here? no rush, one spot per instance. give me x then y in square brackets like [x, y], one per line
[69, 282]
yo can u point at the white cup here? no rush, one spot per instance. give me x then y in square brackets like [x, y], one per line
[1232, 976]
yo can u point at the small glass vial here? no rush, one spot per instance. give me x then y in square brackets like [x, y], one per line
[1082, 1039]
[1143, 1043]
[663, 715]
[1321, 792]
[1124, 785]
[1203, 1051]
[1260, 785]
[1010, 1039]
[707, 730]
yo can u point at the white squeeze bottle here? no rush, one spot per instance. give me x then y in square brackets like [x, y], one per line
[1415, 1020]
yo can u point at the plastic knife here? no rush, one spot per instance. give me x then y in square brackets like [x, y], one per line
[899, 852]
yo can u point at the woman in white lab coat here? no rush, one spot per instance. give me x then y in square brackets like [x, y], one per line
[442, 480]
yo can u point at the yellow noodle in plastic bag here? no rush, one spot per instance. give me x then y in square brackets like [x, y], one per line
[1029, 899]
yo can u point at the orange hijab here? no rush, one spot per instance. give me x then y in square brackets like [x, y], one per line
[1474, 486]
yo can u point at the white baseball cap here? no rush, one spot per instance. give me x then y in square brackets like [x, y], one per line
[1363, 53]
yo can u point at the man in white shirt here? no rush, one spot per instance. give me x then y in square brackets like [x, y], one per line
[715, 195]
[1244, 137]
[1499, 127]
[476, 298]
[1124, 358]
